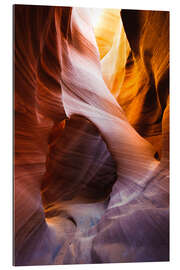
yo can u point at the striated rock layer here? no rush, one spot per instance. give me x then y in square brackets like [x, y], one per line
[91, 106]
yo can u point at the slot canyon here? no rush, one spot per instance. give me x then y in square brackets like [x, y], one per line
[91, 135]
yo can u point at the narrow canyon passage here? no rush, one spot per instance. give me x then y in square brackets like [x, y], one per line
[91, 106]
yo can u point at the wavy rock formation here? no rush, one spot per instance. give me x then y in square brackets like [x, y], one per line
[91, 136]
